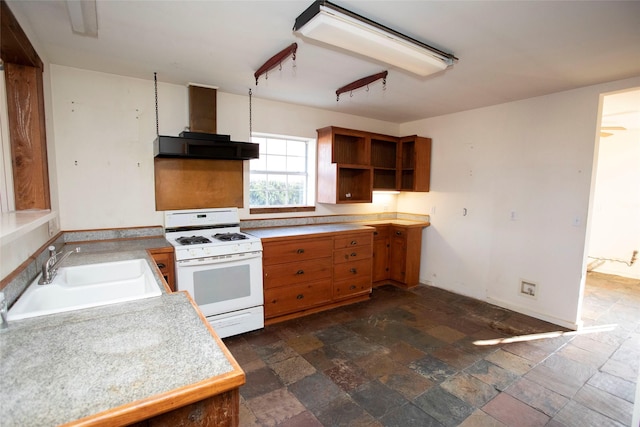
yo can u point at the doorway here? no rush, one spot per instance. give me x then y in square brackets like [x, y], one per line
[614, 236]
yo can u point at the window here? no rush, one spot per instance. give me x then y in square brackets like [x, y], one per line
[284, 175]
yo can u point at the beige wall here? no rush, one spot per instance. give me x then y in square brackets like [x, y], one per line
[104, 126]
[533, 158]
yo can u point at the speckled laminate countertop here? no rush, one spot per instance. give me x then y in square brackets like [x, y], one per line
[301, 230]
[63, 367]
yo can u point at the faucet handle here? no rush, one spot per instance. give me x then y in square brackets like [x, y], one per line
[52, 250]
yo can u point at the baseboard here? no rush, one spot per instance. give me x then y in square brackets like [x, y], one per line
[526, 311]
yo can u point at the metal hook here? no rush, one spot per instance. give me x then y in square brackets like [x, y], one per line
[351, 94]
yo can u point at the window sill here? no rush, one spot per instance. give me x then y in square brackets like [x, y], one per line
[14, 225]
[282, 210]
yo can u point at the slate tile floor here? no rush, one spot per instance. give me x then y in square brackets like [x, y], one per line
[408, 358]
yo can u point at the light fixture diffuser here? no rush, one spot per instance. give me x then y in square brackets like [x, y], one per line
[83, 16]
[328, 23]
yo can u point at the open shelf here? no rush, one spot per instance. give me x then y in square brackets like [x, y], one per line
[354, 185]
[350, 149]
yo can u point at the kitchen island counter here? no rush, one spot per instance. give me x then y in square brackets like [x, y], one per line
[113, 365]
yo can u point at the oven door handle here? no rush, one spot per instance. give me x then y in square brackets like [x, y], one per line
[219, 259]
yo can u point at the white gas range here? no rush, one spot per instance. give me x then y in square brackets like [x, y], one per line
[219, 266]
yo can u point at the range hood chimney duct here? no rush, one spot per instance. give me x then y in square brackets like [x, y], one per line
[202, 141]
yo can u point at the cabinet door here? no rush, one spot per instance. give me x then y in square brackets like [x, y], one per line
[398, 254]
[380, 259]
[381, 253]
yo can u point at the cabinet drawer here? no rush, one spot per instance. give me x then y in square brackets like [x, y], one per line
[295, 250]
[352, 240]
[381, 232]
[289, 299]
[352, 270]
[296, 272]
[351, 254]
[351, 287]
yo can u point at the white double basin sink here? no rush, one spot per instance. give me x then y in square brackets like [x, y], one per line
[86, 286]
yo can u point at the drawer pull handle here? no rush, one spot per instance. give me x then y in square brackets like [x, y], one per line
[375, 233]
[398, 233]
[300, 251]
[354, 254]
[300, 272]
[352, 287]
[300, 296]
[353, 270]
[161, 265]
[354, 242]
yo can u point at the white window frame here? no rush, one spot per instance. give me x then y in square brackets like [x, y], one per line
[310, 170]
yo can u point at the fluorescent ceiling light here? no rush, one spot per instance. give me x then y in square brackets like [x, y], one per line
[83, 16]
[331, 24]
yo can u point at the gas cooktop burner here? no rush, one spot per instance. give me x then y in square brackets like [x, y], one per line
[193, 240]
[228, 237]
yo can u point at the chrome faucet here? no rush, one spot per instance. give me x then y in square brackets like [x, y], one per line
[50, 266]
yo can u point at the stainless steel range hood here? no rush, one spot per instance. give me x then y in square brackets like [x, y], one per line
[200, 145]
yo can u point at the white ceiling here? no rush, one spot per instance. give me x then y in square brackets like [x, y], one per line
[507, 50]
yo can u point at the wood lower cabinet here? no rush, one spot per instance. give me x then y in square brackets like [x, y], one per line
[221, 410]
[396, 254]
[381, 253]
[307, 274]
[165, 261]
[352, 263]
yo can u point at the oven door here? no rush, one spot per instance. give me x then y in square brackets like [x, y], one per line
[222, 284]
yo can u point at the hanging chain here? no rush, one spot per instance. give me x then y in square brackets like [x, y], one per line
[155, 85]
[250, 124]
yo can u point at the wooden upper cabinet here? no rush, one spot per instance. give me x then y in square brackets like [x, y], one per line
[352, 164]
[344, 171]
[414, 168]
[384, 162]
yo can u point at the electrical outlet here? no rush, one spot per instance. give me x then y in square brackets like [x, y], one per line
[528, 288]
